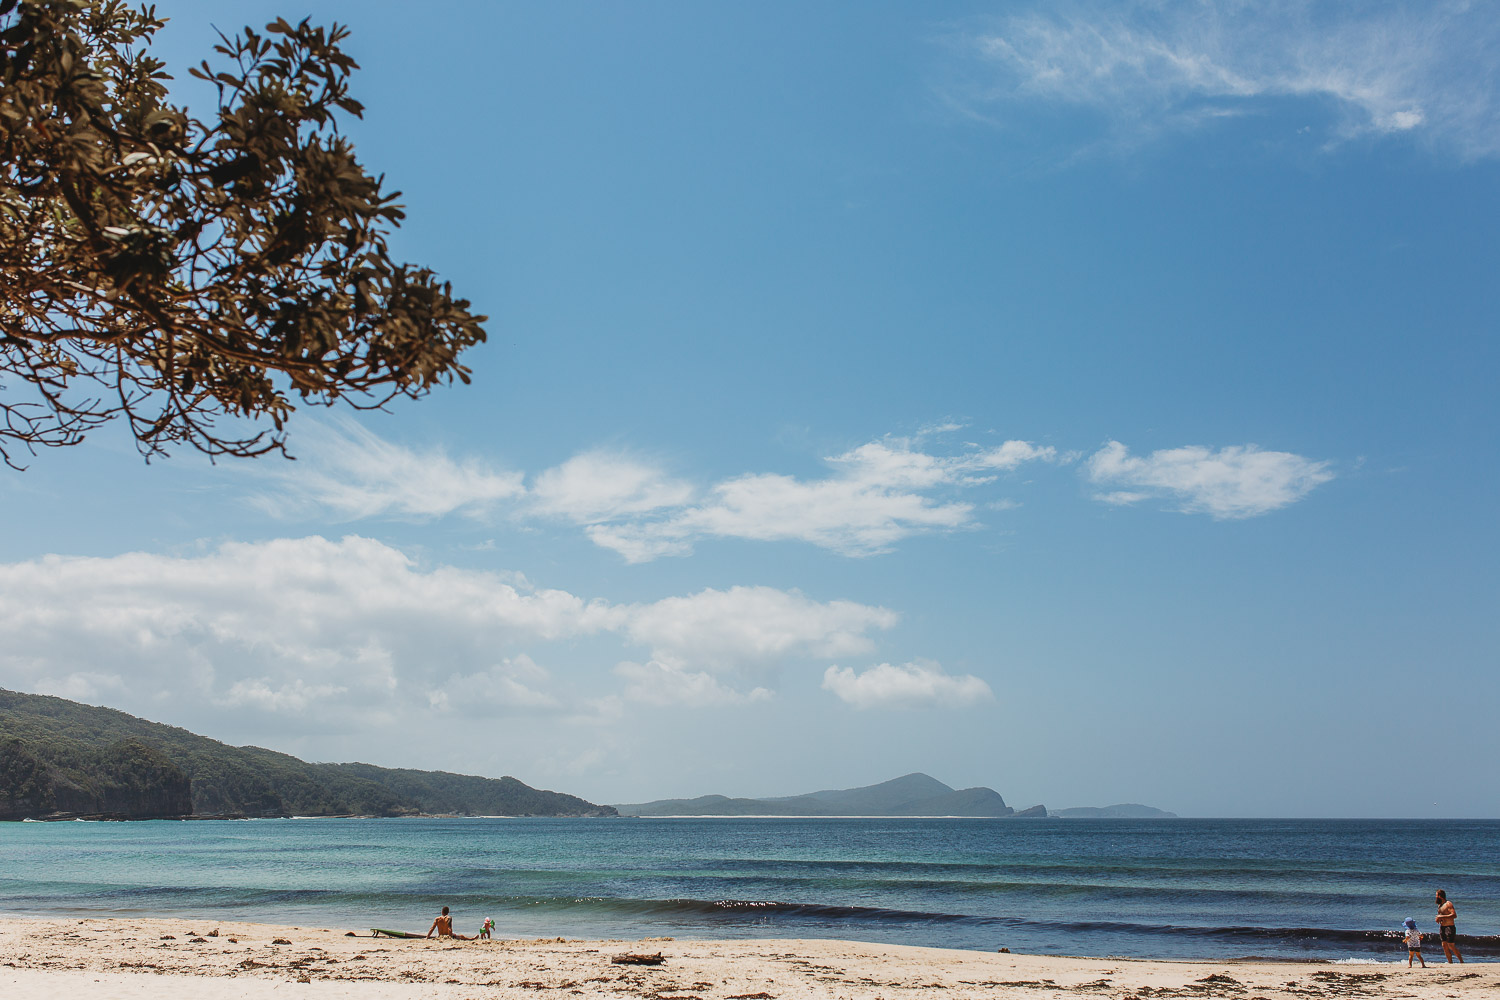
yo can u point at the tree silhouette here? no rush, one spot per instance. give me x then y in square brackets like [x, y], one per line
[193, 276]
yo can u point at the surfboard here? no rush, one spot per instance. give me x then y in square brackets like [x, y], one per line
[381, 931]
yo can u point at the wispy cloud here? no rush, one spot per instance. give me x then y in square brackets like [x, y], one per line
[351, 473]
[1235, 482]
[599, 485]
[669, 682]
[1426, 69]
[874, 496]
[906, 686]
[869, 498]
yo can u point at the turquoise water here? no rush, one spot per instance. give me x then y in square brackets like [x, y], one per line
[1147, 888]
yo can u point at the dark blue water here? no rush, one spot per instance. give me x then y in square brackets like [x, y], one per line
[1324, 889]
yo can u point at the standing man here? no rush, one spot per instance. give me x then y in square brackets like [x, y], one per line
[1446, 915]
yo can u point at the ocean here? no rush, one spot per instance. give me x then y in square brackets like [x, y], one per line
[1185, 888]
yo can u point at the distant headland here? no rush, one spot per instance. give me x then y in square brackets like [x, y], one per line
[63, 760]
[1125, 810]
[910, 795]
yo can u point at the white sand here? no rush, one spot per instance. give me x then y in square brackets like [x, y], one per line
[125, 958]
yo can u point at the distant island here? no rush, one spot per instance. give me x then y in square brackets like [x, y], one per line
[1125, 810]
[62, 760]
[909, 795]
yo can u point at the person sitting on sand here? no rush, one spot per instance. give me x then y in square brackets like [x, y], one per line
[444, 927]
[1413, 941]
[1447, 933]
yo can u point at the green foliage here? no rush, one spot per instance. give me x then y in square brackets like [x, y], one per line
[173, 271]
[60, 756]
[138, 780]
[25, 786]
[442, 792]
[127, 778]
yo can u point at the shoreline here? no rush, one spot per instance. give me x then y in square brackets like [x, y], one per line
[176, 958]
[236, 817]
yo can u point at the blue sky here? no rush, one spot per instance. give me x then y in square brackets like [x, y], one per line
[1092, 401]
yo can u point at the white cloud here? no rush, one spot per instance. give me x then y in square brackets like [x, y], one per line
[909, 685]
[1419, 67]
[346, 470]
[1121, 497]
[514, 684]
[873, 496]
[637, 543]
[851, 514]
[745, 627]
[293, 696]
[1233, 482]
[711, 648]
[666, 683]
[876, 495]
[597, 486]
[352, 627]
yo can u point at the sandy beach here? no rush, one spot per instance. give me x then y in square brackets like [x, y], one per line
[171, 958]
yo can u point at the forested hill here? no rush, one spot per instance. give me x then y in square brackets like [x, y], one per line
[909, 795]
[59, 759]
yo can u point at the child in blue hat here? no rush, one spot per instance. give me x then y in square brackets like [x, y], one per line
[1413, 941]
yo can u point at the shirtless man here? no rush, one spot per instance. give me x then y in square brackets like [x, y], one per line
[1446, 915]
[444, 927]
